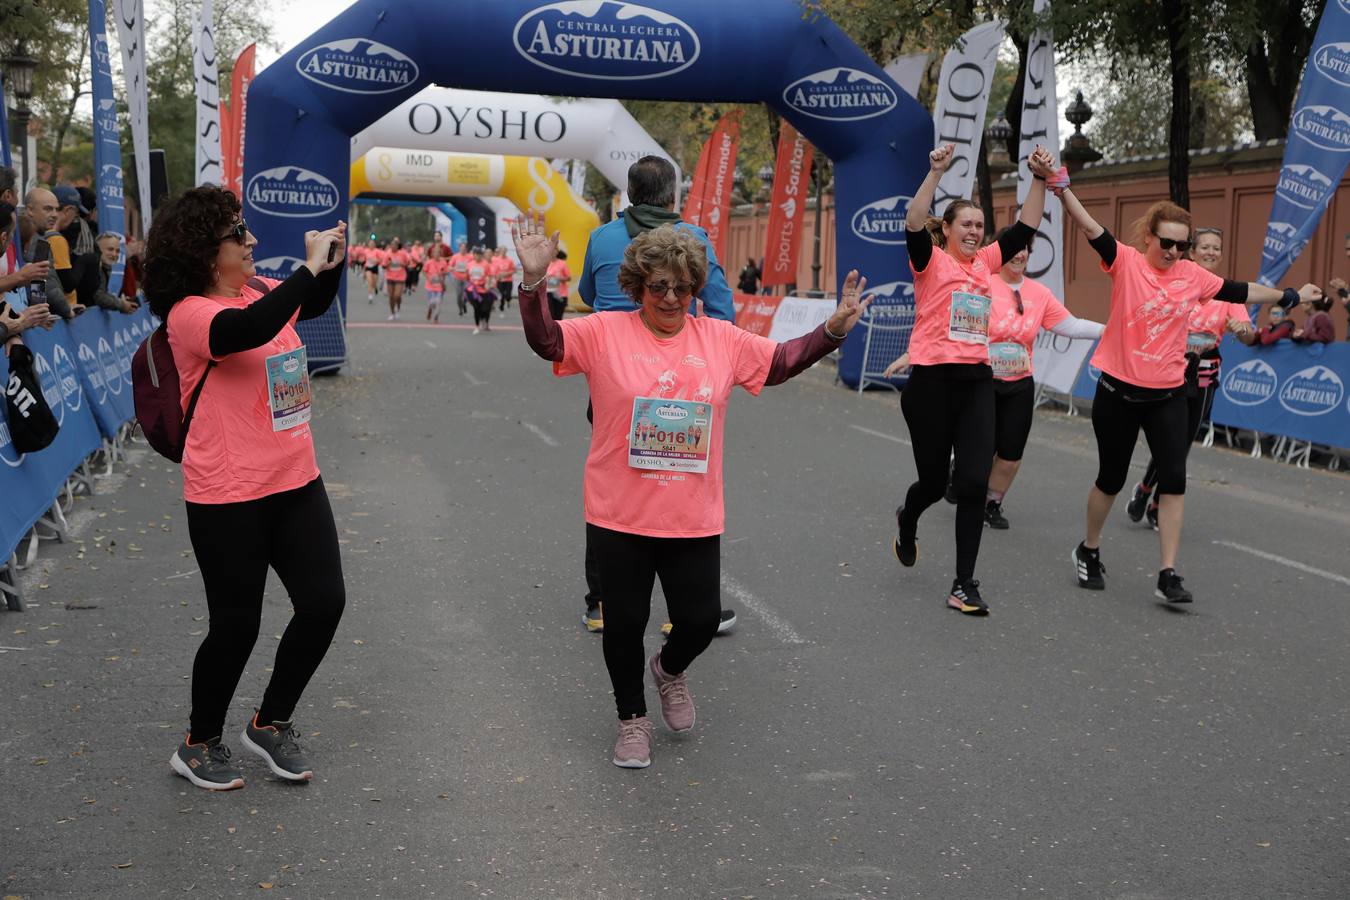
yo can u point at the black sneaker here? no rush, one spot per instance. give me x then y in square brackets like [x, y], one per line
[1170, 589]
[1138, 501]
[1152, 515]
[725, 625]
[993, 516]
[1091, 572]
[279, 745]
[593, 619]
[906, 546]
[965, 596]
[207, 765]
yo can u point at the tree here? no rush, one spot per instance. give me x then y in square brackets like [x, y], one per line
[1273, 41]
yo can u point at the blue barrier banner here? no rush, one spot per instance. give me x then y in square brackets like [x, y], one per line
[1318, 146]
[1085, 388]
[101, 340]
[1297, 390]
[107, 140]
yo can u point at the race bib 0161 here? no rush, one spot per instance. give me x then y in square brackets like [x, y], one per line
[1200, 342]
[288, 392]
[1009, 360]
[672, 435]
[969, 322]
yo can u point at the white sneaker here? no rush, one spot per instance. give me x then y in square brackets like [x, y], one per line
[475, 331]
[391, 317]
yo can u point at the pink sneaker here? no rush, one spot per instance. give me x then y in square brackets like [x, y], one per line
[633, 748]
[677, 705]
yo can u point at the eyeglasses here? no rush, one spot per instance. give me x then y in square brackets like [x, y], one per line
[683, 289]
[1168, 243]
[238, 233]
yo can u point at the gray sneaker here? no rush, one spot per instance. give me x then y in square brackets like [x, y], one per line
[207, 765]
[279, 745]
[677, 704]
[633, 746]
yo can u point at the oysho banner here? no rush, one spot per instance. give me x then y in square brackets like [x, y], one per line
[107, 141]
[209, 169]
[791, 180]
[130, 18]
[962, 95]
[1040, 125]
[1317, 148]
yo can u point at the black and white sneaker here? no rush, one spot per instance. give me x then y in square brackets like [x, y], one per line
[1170, 589]
[965, 597]
[1091, 572]
[993, 515]
[1138, 501]
[727, 623]
[279, 745]
[207, 765]
[906, 546]
[1152, 515]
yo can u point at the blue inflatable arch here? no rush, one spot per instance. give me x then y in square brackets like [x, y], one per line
[305, 108]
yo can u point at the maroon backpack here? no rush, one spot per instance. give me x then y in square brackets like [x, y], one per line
[157, 391]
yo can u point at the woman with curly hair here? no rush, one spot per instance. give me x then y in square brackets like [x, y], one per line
[253, 492]
[653, 496]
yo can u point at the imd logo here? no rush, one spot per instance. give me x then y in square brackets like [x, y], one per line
[1322, 126]
[292, 192]
[840, 95]
[1333, 61]
[1250, 384]
[606, 39]
[1303, 186]
[1313, 391]
[278, 267]
[882, 221]
[358, 66]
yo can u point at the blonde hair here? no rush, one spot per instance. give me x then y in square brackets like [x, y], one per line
[1155, 215]
[668, 248]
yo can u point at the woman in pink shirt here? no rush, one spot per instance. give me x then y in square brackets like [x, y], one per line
[654, 508]
[435, 268]
[254, 496]
[396, 261]
[948, 402]
[559, 279]
[373, 259]
[504, 271]
[1142, 358]
[480, 293]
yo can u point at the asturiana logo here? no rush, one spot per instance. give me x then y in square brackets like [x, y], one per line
[358, 66]
[891, 301]
[1313, 391]
[51, 387]
[278, 267]
[292, 192]
[606, 39]
[93, 370]
[1333, 61]
[107, 362]
[882, 221]
[1251, 383]
[1323, 126]
[840, 94]
[672, 412]
[69, 381]
[1280, 238]
[1303, 186]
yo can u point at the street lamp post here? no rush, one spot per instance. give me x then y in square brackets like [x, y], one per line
[19, 68]
[820, 214]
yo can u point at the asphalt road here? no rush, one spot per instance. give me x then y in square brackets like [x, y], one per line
[855, 738]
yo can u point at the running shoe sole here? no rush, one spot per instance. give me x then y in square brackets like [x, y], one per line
[631, 763]
[727, 625]
[594, 626]
[953, 603]
[276, 769]
[1161, 596]
[181, 768]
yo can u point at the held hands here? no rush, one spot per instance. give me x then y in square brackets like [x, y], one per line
[535, 248]
[317, 244]
[1239, 326]
[899, 367]
[940, 158]
[850, 308]
[1041, 163]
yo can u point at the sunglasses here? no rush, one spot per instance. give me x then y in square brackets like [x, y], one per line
[238, 233]
[1200, 231]
[683, 289]
[1168, 243]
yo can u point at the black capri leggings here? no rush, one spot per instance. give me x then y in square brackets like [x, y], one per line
[1198, 405]
[951, 408]
[235, 543]
[1119, 411]
[1014, 406]
[690, 570]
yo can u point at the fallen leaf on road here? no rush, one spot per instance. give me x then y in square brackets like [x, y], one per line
[125, 865]
[1266, 844]
[40, 761]
[231, 830]
[266, 885]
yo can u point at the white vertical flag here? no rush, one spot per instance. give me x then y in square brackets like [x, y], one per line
[130, 16]
[209, 170]
[963, 93]
[1040, 125]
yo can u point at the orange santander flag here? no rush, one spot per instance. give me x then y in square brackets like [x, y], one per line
[236, 121]
[693, 204]
[722, 149]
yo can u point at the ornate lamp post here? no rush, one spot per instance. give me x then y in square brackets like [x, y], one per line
[19, 68]
[765, 175]
[1078, 152]
[686, 185]
[1000, 154]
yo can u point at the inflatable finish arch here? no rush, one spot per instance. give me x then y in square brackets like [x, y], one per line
[305, 108]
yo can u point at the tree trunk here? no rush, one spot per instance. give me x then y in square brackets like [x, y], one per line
[1178, 14]
[76, 82]
[1269, 120]
[1274, 64]
[985, 186]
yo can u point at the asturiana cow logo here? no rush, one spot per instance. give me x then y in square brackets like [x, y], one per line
[278, 267]
[882, 221]
[292, 192]
[51, 387]
[93, 370]
[69, 381]
[894, 300]
[1333, 61]
[1251, 383]
[358, 66]
[606, 39]
[1323, 126]
[1313, 391]
[841, 95]
[1303, 186]
[1280, 238]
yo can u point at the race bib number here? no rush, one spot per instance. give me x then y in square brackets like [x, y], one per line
[288, 389]
[671, 435]
[1009, 360]
[1200, 342]
[553, 284]
[969, 322]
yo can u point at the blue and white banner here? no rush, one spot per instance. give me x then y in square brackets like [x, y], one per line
[1297, 390]
[107, 142]
[1317, 148]
[6, 154]
[103, 344]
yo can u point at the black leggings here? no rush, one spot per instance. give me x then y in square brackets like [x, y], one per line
[690, 572]
[951, 408]
[1014, 408]
[482, 306]
[235, 543]
[1119, 411]
[504, 291]
[1197, 411]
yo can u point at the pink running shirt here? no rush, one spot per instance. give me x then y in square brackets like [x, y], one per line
[232, 452]
[459, 265]
[396, 266]
[1040, 309]
[558, 277]
[622, 361]
[1145, 339]
[948, 325]
[503, 268]
[435, 270]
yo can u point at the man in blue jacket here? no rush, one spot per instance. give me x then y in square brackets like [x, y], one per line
[651, 191]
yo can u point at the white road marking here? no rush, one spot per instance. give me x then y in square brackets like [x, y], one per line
[540, 433]
[1293, 564]
[181, 575]
[778, 625]
[881, 434]
[430, 344]
[476, 382]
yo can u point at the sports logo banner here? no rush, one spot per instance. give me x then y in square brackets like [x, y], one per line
[1297, 390]
[791, 180]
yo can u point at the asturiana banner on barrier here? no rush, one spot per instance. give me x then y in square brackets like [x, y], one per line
[787, 207]
[1317, 148]
[1297, 390]
[107, 140]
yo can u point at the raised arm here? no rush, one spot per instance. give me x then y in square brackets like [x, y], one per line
[535, 250]
[793, 357]
[917, 213]
[1080, 215]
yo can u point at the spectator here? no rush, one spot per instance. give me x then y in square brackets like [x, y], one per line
[9, 181]
[1318, 327]
[110, 250]
[13, 276]
[12, 323]
[43, 242]
[1280, 327]
[748, 283]
[1336, 287]
[71, 222]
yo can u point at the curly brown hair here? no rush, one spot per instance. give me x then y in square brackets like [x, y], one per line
[668, 248]
[183, 243]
